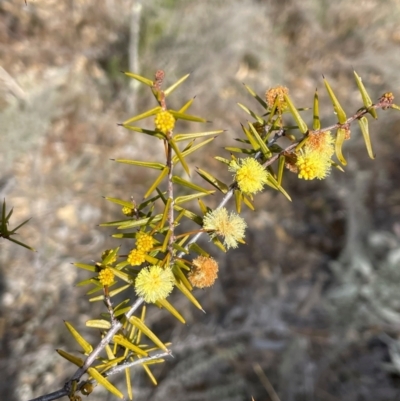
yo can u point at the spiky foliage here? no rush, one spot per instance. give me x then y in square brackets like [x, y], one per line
[160, 256]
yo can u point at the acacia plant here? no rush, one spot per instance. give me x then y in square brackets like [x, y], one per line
[163, 255]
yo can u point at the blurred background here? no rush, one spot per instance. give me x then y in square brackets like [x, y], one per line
[309, 308]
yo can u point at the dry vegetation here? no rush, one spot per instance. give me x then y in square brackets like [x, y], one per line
[313, 297]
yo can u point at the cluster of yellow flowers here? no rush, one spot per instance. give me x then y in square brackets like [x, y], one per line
[164, 121]
[314, 159]
[277, 95]
[154, 283]
[250, 175]
[204, 272]
[229, 226]
[106, 276]
[144, 244]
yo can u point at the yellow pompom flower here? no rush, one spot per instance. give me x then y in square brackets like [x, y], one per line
[136, 257]
[314, 159]
[312, 165]
[127, 211]
[144, 242]
[164, 121]
[154, 283]
[277, 93]
[204, 272]
[106, 276]
[321, 142]
[231, 227]
[250, 175]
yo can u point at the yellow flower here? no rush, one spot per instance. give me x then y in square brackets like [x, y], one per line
[154, 283]
[144, 242]
[250, 175]
[231, 227]
[277, 93]
[136, 257]
[312, 165]
[164, 121]
[127, 211]
[321, 142]
[204, 272]
[106, 276]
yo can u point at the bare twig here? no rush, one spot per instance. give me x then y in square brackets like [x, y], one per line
[265, 382]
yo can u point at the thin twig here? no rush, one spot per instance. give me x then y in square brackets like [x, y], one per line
[265, 382]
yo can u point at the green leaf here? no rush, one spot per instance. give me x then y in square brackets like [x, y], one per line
[188, 294]
[186, 198]
[156, 134]
[253, 142]
[111, 293]
[340, 137]
[74, 359]
[363, 122]
[316, 120]
[153, 165]
[190, 215]
[169, 90]
[187, 117]
[139, 78]
[123, 342]
[193, 149]
[86, 282]
[151, 376]
[213, 181]
[181, 277]
[254, 115]
[180, 156]
[123, 276]
[196, 248]
[281, 166]
[157, 182]
[21, 244]
[146, 114]
[263, 147]
[238, 200]
[104, 382]
[87, 348]
[240, 150]
[186, 137]
[336, 105]
[120, 202]
[110, 256]
[165, 304]
[99, 324]
[296, 115]
[180, 181]
[258, 98]
[128, 383]
[223, 160]
[365, 97]
[248, 203]
[147, 332]
[186, 105]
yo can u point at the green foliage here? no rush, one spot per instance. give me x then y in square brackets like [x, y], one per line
[161, 255]
[7, 233]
